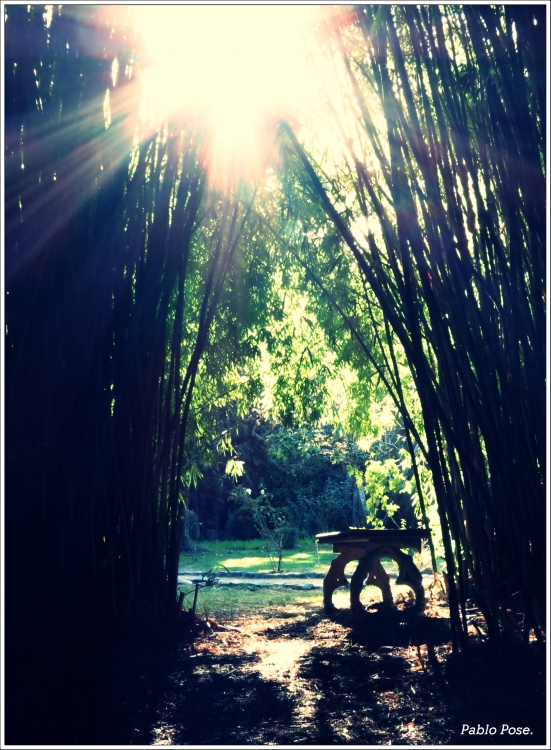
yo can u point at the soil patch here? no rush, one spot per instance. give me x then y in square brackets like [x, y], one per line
[293, 676]
[304, 678]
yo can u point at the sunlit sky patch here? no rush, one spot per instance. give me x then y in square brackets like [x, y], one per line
[239, 66]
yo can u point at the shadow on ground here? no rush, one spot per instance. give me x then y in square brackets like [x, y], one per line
[385, 679]
[215, 704]
[396, 682]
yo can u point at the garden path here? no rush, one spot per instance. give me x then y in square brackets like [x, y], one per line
[296, 676]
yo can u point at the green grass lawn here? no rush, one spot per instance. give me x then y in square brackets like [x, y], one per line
[251, 556]
[229, 603]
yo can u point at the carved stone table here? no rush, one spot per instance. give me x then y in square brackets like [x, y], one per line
[368, 546]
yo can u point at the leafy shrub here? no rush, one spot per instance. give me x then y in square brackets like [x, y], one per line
[241, 520]
[324, 509]
[290, 540]
[240, 525]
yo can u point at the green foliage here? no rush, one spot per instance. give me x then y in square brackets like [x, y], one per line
[271, 524]
[315, 475]
[307, 474]
[235, 468]
[241, 522]
[382, 478]
[192, 474]
[430, 501]
[297, 365]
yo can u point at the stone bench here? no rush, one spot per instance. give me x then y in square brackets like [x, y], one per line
[368, 546]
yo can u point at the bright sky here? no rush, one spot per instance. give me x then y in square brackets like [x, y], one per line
[235, 64]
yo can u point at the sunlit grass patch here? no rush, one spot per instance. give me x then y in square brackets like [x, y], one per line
[252, 556]
[246, 563]
[232, 602]
[300, 556]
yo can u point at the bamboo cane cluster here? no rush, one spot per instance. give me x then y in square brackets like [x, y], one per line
[454, 182]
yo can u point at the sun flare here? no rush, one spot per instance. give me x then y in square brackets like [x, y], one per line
[238, 67]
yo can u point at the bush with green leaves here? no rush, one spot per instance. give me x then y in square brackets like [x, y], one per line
[241, 522]
[257, 517]
[326, 510]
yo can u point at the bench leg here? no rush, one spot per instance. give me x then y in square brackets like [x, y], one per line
[379, 577]
[336, 578]
[409, 575]
[370, 568]
[370, 571]
[363, 571]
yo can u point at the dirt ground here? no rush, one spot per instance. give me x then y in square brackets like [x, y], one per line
[305, 678]
[287, 676]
